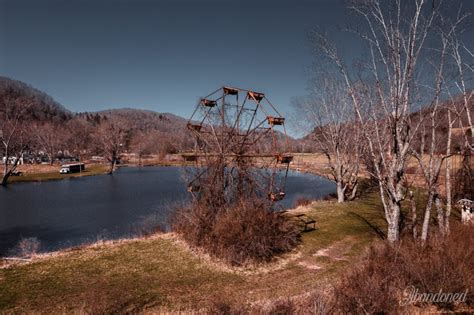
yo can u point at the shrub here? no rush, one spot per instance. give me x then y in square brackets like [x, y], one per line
[282, 307]
[379, 282]
[224, 308]
[330, 196]
[317, 303]
[27, 247]
[303, 201]
[231, 215]
[243, 232]
[371, 286]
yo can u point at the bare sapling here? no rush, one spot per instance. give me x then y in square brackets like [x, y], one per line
[329, 114]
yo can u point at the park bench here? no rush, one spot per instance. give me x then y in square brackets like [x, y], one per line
[309, 224]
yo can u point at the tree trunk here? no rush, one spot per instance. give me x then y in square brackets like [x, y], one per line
[5, 167]
[393, 219]
[340, 192]
[5, 170]
[354, 191]
[426, 219]
[113, 162]
[413, 217]
[447, 214]
[440, 213]
[5, 179]
[393, 232]
[448, 196]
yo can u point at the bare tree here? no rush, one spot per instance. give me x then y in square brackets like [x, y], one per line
[112, 137]
[463, 57]
[79, 134]
[387, 91]
[439, 117]
[143, 143]
[12, 133]
[463, 60]
[330, 115]
[429, 159]
[49, 138]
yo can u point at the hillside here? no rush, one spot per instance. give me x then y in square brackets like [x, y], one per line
[150, 129]
[147, 120]
[35, 104]
[38, 106]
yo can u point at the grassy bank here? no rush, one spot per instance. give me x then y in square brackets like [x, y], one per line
[161, 273]
[52, 173]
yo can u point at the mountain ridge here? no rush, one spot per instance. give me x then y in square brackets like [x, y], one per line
[45, 107]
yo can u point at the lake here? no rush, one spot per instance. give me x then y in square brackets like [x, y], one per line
[75, 211]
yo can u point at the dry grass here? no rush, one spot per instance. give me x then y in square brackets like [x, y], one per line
[47, 172]
[442, 264]
[38, 168]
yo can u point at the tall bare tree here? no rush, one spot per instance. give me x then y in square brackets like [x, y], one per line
[399, 37]
[330, 115]
[463, 59]
[435, 147]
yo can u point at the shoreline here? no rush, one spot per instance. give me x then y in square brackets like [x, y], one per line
[93, 169]
[160, 272]
[100, 169]
[31, 177]
[116, 241]
[104, 245]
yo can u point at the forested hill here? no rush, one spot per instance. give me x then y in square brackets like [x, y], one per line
[38, 106]
[52, 128]
[146, 129]
[146, 120]
[34, 104]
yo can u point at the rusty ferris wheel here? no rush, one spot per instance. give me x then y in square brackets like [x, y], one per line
[243, 132]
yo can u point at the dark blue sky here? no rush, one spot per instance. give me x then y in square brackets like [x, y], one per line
[162, 55]
[159, 55]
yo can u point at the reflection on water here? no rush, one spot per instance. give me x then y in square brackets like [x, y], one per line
[131, 201]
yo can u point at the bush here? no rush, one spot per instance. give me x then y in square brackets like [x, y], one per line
[379, 282]
[330, 196]
[231, 215]
[27, 247]
[246, 231]
[372, 286]
[223, 308]
[302, 202]
[282, 307]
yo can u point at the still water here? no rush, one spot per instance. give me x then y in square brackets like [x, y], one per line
[74, 211]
